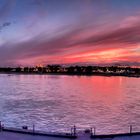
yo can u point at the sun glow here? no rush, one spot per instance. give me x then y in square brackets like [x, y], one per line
[111, 55]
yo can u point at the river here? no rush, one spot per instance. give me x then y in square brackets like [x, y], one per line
[57, 102]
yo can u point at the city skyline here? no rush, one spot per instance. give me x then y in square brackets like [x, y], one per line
[44, 32]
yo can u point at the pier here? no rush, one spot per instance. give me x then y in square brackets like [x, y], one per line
[9, 133]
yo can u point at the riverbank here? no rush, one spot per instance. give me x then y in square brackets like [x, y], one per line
[94, 74]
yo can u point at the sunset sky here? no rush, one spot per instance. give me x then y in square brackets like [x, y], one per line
[44, 32]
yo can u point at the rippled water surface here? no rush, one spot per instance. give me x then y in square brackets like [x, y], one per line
[55, 103]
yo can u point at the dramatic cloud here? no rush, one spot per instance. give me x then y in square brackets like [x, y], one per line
[4, 25]
[51, 32]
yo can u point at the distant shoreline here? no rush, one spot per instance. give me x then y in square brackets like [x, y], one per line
[74, 70]
[72, 74]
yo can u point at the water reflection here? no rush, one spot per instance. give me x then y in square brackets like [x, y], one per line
[58, 102]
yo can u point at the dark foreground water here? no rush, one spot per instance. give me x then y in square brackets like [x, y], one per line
[55, 103]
